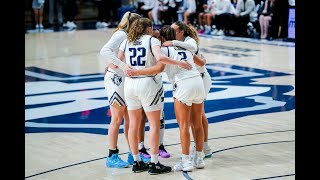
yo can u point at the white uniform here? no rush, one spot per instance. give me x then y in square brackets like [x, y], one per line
[206, 78]
[114, 79]
[142, 91]
[187, 84]
[190, 44]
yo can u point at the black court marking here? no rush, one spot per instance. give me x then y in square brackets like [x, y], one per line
[185, 174]
[275, 176]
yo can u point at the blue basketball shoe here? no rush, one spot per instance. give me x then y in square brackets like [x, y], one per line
[116, 162]
[130, 159]
[145, 159]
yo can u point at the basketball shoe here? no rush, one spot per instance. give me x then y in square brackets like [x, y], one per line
[163, 152]
[158, 168]
[116, 162]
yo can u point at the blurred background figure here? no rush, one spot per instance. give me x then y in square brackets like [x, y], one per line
[70, 11]
[37, 6]
[55, 5]
[265, 18]
[108, 13]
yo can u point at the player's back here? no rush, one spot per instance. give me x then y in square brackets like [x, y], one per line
[139, 53]
[176, 73]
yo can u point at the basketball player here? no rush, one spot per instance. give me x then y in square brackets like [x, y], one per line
[141, 51]
[114, 85]
[188, 93]
[187, 37]
[162, 151]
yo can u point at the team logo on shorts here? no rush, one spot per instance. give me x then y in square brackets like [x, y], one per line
[116, 79]
[58, 102]
[174, 87]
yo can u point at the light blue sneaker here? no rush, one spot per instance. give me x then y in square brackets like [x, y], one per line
[130, 159]
[144, 159]
[116, 162]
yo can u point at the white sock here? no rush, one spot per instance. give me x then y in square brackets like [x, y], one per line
[136, 157]
[141, 145]
[206, 145]
[185, 158]
[198, 153]
[154, 158]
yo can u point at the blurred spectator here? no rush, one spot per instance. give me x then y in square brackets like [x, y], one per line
[107, 13]
[126, 5]
[279, 24]
[242, 16]
[201, 6]
[265, 18]
[103, 15]
[146, 8]
[234, 3]
[189, 7]
[223, 10]
[140, 3]
[70, 10]
[55, 5]
[167, 11]
[206, 17]
[37, 6]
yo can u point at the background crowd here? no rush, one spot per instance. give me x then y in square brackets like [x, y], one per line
[264, 19]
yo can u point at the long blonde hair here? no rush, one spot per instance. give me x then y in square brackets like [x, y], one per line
[139, 28]
[189, 30]
[126, 21]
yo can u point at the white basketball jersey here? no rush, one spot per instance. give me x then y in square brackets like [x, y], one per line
[139, 54]
[176, 73]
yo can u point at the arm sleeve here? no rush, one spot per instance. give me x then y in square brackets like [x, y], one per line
[109, 50]
[189, 44]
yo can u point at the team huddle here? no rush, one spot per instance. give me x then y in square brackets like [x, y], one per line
[136, 56]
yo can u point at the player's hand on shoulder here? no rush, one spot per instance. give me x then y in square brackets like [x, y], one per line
[167, 43]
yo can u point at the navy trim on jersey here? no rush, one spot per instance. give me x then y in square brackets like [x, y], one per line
[116, 96]
[168, 51]
[150, 46]
[158, 95]
[197, 50]
[125, 46]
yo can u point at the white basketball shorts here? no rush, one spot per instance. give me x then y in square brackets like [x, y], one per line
[190, 90]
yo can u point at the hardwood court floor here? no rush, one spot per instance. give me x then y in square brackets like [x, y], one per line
[250, 108]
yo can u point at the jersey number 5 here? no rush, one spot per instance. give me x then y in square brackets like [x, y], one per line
[136, 58]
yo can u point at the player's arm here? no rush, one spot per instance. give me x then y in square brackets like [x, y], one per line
[166, 60]
[200, 61]
[156, 69]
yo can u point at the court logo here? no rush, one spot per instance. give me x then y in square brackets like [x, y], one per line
[57, 102]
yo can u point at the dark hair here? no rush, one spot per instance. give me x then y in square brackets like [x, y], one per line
[168, 33]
